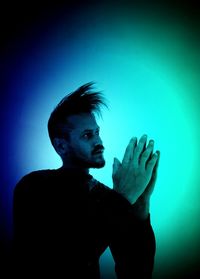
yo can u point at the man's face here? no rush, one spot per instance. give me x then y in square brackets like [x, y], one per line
[85, 144]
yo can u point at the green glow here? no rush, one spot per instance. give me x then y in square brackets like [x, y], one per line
[148, 72]
[150, 92]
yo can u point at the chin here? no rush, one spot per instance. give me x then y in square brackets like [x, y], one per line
[98, 165]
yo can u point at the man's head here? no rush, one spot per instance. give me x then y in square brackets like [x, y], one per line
[73, 130]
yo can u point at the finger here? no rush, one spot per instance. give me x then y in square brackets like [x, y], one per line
[152, 162]
[146, 155]
[154, 173]
[116, 165]
[128, 155]
[150, 187]
[138, 149]
[156, 165]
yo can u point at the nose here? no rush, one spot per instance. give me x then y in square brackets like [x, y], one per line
[98, 141]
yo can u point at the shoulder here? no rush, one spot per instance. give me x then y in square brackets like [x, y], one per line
[36, 176]
[33, 179]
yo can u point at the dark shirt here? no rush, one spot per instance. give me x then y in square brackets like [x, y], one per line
[64, 221]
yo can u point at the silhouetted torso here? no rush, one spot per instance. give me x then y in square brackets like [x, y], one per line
[63, 222]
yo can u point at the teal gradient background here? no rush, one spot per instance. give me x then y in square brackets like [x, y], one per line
[146, 62]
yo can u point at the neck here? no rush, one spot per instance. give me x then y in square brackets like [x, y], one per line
[75, 168]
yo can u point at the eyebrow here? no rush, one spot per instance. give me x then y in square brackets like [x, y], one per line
[90, 130]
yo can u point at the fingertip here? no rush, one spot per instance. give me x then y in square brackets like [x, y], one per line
[157, 153]
[133, 139]
[115, 161]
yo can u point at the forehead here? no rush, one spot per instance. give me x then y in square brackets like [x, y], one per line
[83, 121]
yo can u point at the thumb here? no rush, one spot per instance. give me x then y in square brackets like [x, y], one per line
[116, 165]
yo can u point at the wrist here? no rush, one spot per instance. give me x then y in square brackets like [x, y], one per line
[141, 208]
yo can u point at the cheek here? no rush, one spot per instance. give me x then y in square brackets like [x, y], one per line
[82, 149]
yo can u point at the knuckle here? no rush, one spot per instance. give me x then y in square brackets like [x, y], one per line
[145, 154]
[150, 163]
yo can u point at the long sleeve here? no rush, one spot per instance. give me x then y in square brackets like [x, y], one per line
[23, 238]
[131, 240]
[30, 242]
[133, 248]
[57, 232]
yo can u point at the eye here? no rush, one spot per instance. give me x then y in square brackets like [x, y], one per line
[97, 133]
[87, 136]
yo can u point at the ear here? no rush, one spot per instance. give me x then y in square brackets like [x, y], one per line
[60, 145]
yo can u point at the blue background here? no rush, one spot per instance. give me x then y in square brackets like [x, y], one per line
[145, 59]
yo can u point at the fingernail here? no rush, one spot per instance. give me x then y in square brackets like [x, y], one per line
[133, 139]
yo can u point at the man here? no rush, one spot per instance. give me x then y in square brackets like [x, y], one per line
[64, 219]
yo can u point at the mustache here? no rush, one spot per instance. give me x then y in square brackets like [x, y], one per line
[98, 148]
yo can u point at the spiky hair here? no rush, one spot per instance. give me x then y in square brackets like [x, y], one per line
[83, 100]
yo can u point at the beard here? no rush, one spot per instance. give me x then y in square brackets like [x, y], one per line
[97, 165]
[94, 164]
[94, 161]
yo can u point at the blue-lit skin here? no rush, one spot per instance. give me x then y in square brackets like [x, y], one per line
[83, 148]
[135, 176]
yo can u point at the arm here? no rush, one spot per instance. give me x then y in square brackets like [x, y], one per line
[24, 237]
[133, 243]
[21, 220]
[131, 239]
